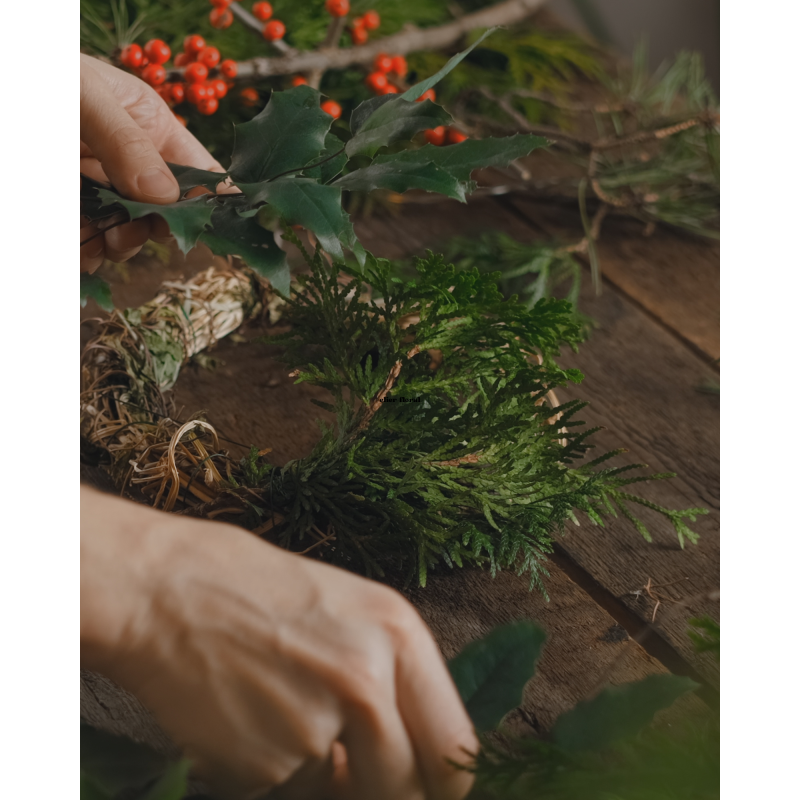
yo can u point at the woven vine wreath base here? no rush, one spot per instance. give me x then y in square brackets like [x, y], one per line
[127, 372]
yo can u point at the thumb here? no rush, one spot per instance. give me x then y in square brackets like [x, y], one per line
[125, 151]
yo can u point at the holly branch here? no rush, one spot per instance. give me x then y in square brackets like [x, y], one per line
[412, 39]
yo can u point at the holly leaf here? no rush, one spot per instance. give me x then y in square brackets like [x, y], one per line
[393, 121]
[187, 219]
[96, 288]
[461, 159]
[190, 177]
[303, 201]
[288, 134]
[617, 712]
[491, 673]
[235, 235]
[334, 150]
[420, 88]
[401, 176]
[363, 111]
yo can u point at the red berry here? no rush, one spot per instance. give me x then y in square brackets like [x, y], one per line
[262, 11]
[181, 119]
[228, 68]
[435, 136]
[178, 92]
[193, 44]
[182, 59]
[157, 51]
[333, 108]
[372, 20]
[274, 30]
[399, 66]
[383, 62]
[221, 18]
[359, 35]
[429, 95]
[210, 89]
[196, 93]
[388, 89]
[221, 3]
[196, 72]
[299, 80]
[132, 56]
[455, 136]
[249, 96]
[220, 88]
[208, 106]
[337, 8]
[209, 56]
[376, 81]
[154, 74]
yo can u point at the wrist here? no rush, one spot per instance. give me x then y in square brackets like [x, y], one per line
[126, 551]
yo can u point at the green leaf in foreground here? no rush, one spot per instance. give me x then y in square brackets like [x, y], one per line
[303, 201]
[399, 177]
[235, 235]
[420, 88]
[187, 219]
[617, 712]
[171, 785]
[288, 134]
[96, 288]
[460, 160]
[333, 157]
[115, 764]
[491, 673]
[394, 121]
[191, 177]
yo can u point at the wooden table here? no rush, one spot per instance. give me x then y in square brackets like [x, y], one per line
[655, 343]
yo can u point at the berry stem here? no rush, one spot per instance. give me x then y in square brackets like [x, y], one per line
[245, 16]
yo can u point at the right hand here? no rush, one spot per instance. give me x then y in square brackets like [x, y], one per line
[271, 669]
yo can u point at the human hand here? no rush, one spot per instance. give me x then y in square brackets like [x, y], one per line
[127, 134]
[269, 669]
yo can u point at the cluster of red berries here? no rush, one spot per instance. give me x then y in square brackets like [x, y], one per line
[206, 77]
[359, 26]
[442, 135]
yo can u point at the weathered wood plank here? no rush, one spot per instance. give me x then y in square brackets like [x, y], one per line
[641, 381]
[673, 275]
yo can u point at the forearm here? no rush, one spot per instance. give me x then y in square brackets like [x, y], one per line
[122, 558]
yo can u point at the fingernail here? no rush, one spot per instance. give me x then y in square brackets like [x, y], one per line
[157, 183]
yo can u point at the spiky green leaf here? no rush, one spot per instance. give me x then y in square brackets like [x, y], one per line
[95, 287]
[288, 134]
[303, 201]
[491, 673]
[191, 177]
[402, 176]
[395, 120]
[461, 159]
[617, 712]
[187, 219]
[235, 235]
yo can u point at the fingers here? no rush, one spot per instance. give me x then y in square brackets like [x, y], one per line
[125, 151]
[432, 712]
[93, 252]
[380, 758]
[126, 241]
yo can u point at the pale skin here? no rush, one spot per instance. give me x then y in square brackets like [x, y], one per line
[274, 672]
